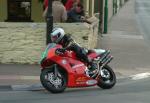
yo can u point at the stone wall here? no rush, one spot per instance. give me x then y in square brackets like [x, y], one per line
[24, 42]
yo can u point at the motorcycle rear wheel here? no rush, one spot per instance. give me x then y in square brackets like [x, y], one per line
[53, 84]
[109, 81]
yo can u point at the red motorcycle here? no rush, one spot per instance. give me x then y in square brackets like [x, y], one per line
[61, 70]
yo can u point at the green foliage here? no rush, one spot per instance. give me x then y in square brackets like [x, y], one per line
[41, 1]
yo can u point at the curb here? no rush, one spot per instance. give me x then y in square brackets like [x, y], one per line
[33, 87]
[5, 88]
[38, 87]
[21, 77]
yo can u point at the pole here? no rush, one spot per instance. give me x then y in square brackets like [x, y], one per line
[100, 27]
[116, 6]
[113, 7]
[106, 17]
[49, 21]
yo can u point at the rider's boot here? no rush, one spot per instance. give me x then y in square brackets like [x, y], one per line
[91, 69]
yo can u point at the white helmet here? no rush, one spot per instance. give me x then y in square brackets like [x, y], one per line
[57, 34]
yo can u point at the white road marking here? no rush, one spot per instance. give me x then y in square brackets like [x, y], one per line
[140, 76]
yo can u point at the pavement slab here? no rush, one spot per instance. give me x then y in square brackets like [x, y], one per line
[127, 43]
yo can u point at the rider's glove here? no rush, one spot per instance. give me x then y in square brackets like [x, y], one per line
[60, 51]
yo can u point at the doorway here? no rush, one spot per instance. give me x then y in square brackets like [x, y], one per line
[19, 10]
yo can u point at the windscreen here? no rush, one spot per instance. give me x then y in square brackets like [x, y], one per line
[49, 46]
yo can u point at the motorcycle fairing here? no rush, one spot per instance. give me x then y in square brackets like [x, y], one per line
[74, 68]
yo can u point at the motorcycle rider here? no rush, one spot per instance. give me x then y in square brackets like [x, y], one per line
[58, 36]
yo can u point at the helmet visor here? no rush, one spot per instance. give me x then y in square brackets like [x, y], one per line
[54, 38]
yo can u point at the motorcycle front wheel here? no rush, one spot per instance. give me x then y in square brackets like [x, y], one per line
[52, 83]
[107, 79]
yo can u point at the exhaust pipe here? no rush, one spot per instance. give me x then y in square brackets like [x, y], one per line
[104, 56]
[107, 60]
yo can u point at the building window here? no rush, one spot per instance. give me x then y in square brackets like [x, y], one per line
[19, 10]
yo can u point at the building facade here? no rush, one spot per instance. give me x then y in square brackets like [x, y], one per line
[21, 11]
[31, 10]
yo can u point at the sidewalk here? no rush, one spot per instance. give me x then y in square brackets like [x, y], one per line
[131, 54]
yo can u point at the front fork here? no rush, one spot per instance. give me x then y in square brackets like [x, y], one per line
[55, 71]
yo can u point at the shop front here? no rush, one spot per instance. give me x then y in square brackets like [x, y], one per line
[20, 11]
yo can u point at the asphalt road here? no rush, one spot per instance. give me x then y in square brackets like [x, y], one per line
[126, 91]
[20, 69]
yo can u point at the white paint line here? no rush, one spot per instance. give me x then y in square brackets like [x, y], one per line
[140, 76]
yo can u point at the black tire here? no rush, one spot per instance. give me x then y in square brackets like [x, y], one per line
[103, 82]
[48, 85]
